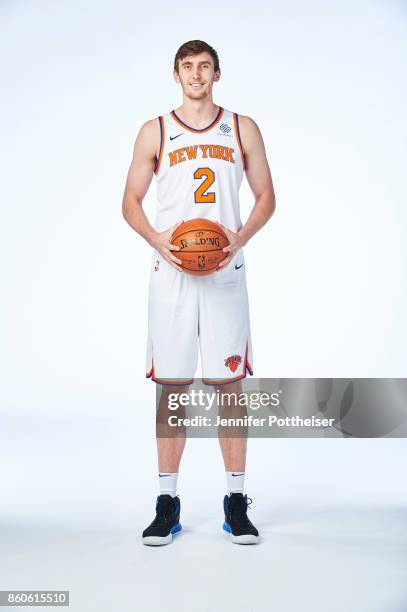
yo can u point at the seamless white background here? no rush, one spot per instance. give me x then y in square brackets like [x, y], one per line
[326, 276]
[325, 83]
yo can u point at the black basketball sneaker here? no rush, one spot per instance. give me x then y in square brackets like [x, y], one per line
[166, 523]
[237, 523]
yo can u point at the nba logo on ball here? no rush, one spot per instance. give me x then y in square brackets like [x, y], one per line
[201, 243]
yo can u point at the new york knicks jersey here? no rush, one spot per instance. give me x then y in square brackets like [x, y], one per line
[199, 172]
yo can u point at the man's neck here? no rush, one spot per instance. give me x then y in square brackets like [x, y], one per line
[197, 113]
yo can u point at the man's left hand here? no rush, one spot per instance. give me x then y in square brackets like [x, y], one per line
[235, 243]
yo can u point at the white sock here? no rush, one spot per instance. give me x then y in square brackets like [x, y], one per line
[167, 482]
[235, 481]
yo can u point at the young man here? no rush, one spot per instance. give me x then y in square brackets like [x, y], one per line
[198, 153]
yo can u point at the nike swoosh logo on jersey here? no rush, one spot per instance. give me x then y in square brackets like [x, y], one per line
[164, 475]
[238, 267]
[173, 137]
[238, 474]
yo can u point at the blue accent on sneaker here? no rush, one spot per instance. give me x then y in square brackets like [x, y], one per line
[176, 529]
[235, 506]
[166, 521]
[226, 527]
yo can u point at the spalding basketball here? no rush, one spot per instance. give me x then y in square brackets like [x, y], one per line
[201, 242]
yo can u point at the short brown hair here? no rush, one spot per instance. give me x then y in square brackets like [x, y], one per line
[193, 47]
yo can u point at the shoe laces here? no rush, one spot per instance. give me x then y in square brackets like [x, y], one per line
[239, 510]
[164, 508]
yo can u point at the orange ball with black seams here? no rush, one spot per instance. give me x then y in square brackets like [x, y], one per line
[201, 244]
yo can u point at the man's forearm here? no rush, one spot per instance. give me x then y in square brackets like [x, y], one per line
[135, 216]
[260, 214]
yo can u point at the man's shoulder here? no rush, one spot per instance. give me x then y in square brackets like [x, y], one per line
[150, 131]
[246, 121]
[148, 137]
[248, 128]
[151, 125]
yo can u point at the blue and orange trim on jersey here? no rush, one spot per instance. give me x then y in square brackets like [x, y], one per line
[164, 381]
[207, 381]
[191, 129]
[239, 140]
[162, 140]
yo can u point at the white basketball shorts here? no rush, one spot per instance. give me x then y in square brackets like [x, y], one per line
[185, 311]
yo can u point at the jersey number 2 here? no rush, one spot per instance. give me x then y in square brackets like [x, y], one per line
[202, 195]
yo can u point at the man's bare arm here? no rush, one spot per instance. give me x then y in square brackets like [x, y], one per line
[258, 176]
[137, 184]
[260, 181]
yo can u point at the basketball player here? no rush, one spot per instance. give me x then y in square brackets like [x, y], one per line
[198, 154]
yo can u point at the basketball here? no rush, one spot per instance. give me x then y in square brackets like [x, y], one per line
[201, 242]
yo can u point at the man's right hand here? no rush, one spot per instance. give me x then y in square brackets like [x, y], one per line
[161, 243]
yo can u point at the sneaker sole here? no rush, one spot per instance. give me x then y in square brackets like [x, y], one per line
[162, 541]
[242, 539]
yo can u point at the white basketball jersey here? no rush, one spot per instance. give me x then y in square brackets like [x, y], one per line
[199, 172]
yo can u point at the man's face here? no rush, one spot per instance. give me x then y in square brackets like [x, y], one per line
[196, 75]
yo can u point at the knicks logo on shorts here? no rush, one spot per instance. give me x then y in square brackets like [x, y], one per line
[233, 362]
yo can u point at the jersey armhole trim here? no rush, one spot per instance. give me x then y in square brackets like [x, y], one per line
[239, 140]
[157, 162]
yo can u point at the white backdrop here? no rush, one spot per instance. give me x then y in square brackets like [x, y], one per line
[326, 275]
[324, 81]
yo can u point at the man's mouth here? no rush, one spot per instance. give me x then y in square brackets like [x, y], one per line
[196, 85]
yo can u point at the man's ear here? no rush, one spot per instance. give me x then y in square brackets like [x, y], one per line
[217, 75]
[176, 76]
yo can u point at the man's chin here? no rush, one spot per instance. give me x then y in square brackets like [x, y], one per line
[197, 95]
